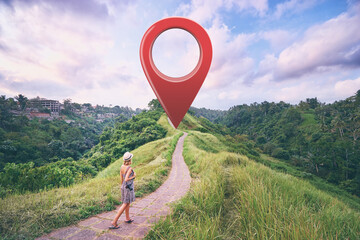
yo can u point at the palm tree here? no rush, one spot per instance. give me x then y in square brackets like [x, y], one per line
[22, 101]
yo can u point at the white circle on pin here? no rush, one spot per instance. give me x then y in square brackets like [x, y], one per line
[175, 52]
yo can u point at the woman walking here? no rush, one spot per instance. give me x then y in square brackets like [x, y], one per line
[127, 190]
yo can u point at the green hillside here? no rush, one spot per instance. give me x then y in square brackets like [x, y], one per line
[27, 137]
[321, 139]
[113, 143]
[235, 197]
[29, 215]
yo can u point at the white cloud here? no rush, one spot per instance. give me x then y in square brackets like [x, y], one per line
[259, 6]
[230, 64]
[325, 46]
[53, 52]
[346, 88]
[267, 64]
[293, 6]
[43, 43]
[200, 11]
[136, 94]
[203, 11]
[279, 39]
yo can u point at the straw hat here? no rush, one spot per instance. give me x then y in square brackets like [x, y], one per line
[127, 156]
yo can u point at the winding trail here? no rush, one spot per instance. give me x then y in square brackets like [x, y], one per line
[145, 211]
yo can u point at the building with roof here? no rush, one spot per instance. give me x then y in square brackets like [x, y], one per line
[52, 105]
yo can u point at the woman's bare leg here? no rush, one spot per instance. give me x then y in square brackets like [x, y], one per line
[121, 210]
[127, 213]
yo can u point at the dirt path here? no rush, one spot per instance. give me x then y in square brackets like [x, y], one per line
[145, 211]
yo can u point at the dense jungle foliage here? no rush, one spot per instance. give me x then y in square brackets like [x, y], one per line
[32, 174]
[41, 141]
[44, 141]
[210, 114]
[322, 139]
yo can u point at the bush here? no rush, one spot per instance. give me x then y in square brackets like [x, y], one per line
[280, 153]
[269, 147]
[261, 140]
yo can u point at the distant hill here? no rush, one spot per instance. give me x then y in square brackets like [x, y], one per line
[318, 138]
[44, 131]
[112, 144]
[210, 114]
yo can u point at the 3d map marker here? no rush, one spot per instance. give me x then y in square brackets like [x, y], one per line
[176, 94]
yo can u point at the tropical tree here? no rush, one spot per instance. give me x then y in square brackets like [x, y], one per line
[22, 100]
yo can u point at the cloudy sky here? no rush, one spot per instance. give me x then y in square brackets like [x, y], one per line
[88, 50]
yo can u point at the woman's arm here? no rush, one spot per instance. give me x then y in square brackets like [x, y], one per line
[122, 177]
[127, 177]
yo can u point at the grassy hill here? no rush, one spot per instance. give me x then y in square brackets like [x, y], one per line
[234, 197]
[236, 193]
[322, 139]
[26, 216]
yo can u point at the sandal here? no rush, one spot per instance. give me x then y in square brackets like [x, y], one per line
[129, 221]
[114, 227]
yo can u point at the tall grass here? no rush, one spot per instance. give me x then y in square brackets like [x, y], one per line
[233, 197]
[142, 156]
[31, 215]
[351, 201]
[197, 216]
[189, 122]
[266, 204]
[163, 121]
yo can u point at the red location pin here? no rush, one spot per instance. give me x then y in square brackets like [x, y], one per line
[176, 94]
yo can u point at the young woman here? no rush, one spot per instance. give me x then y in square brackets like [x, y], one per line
[127, 190]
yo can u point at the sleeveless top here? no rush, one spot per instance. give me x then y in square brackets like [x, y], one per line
[127, 189]
[129, 183]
